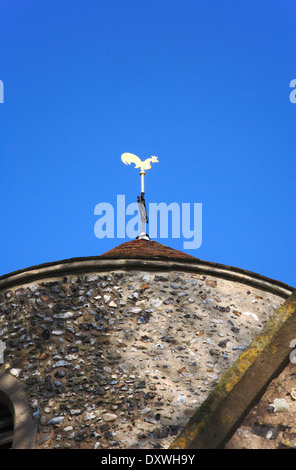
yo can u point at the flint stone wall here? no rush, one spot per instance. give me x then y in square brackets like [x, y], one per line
[123, 359]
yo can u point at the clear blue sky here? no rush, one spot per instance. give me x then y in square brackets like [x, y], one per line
[204, 85]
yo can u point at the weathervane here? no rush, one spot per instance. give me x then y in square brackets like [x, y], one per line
[129, 158]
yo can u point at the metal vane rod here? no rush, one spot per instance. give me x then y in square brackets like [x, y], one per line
[129, 158]
[142, 173]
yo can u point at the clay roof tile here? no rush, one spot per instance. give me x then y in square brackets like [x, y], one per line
[145, 249]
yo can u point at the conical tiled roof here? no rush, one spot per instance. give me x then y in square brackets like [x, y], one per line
[145, 249]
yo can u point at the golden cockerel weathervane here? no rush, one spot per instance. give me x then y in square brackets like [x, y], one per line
[129, 158]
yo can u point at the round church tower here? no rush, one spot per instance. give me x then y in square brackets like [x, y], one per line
[120, 350]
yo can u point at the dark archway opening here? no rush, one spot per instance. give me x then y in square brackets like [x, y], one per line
[6, 427]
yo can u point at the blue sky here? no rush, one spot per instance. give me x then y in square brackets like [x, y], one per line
[204, 85]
